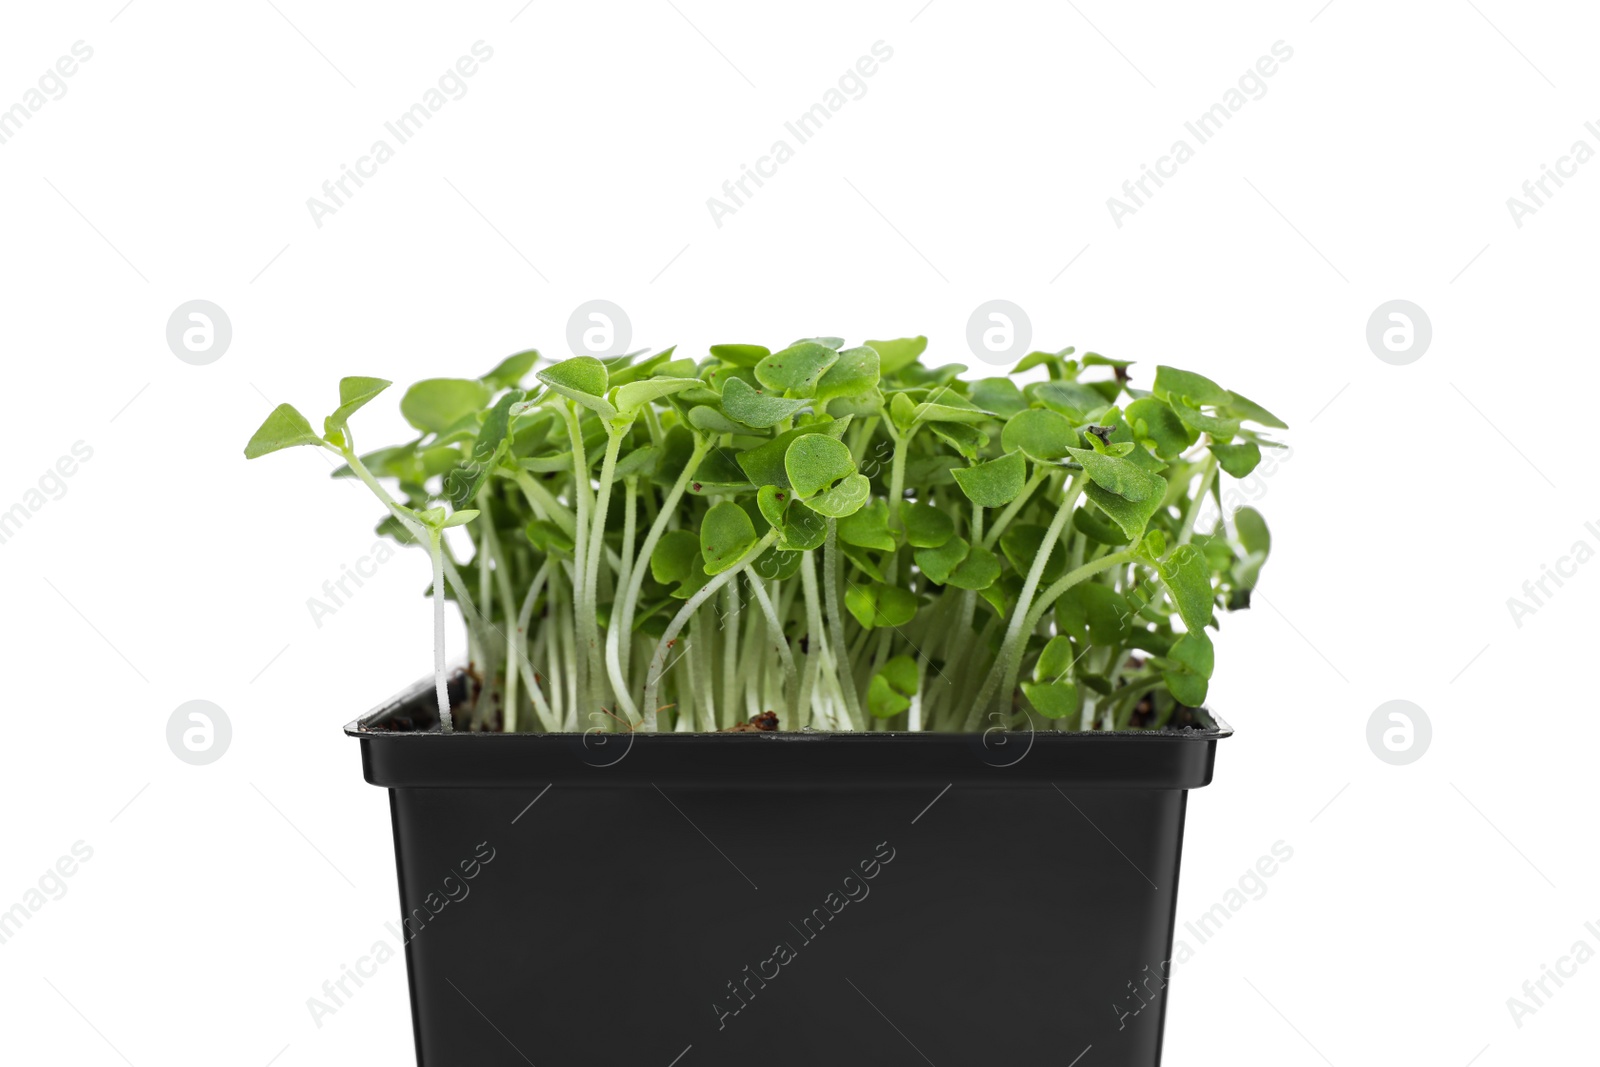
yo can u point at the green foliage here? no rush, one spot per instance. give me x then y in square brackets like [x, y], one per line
[993, 483]
[284, 428]
[822, 529]
[435, 405]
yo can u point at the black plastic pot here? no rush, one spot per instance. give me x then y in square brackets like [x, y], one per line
[785, 899]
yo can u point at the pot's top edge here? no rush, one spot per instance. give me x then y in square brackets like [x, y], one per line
[369, 727]
[359, 729]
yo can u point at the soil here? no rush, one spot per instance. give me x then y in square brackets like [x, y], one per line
[765, 722]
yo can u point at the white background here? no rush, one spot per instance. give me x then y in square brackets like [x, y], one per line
[977, 165]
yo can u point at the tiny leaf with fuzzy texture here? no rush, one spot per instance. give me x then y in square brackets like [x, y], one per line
[284, 428]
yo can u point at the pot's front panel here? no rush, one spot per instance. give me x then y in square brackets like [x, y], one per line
[603, 927]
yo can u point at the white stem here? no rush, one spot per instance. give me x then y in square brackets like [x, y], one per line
[441, 686]
[1004, 672]
[543, 503]
[591, 578]
[775, 629]
[619, 633]
[658, 663]
[728, 627]
[1207, 476]
[841, 654]
[582, 492]
[524, 615]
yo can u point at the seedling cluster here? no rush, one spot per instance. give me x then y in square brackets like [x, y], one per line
[835, 533]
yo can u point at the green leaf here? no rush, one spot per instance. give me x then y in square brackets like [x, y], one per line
[635, 395]
[1194, 389]
[1194, 658]
[772, 502]
[803, 529]
[708, 419]
[880, 605]
[1132, 515]
[1238, 460]
[354, 393]
[718, 473]
[1246, 408]
[624, 370]
[776, 565]
[926, 526]
[901, 674]
[741, 355]
[1053, 700]
[863, 404]
[755, 408]
[993, 484]
[1252, 529]
[855, 373]
[1022, 543]
[1095, 359]
[763, 464]
[1069, 398]
[868, 528]
[967, 440]
[1218, 426]
[580, 374]
[797, 368]
[550, 539]
[882, 701]
[284, 428]
[940, 561]
[726, 534]
[999, 395]
[582, 379]
[1187, 577]
[1119, 476]
[1043, 435]
[1038, 359]
[814, 462]
[843, 499]
[511, 370]
[894, 355]
[639, 461]
[860, 601]
[978, 571]
[459, 518]
[676, 556]
[1099, 532]
[437, 404]
[1095, 611]
[947, 405]
[902, 412]
[1056, 660]
[1152, 419]
[462, 483]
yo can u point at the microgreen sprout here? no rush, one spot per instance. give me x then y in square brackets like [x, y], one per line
[1014, 551]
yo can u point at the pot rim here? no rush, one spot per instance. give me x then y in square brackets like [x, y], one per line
[368, 727]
